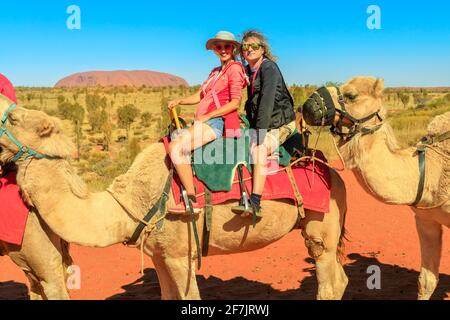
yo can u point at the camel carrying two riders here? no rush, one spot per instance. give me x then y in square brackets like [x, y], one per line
[269, 110]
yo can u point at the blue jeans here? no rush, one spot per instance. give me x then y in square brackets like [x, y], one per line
[217, 125]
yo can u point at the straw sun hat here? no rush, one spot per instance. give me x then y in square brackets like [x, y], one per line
[222, 36]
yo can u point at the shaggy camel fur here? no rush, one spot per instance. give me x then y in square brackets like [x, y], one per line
[99, 220]
[44, 257]
[392, 174]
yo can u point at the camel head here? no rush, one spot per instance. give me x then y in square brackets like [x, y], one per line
[33, 129]
[354, 107]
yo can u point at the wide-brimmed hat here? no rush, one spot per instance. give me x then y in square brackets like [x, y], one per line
[222, 36]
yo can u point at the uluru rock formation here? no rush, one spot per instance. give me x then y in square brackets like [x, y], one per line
[121, 78]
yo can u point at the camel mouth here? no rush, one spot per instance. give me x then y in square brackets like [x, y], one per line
[319, 109]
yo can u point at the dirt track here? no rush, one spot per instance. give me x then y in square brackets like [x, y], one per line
[379, 235]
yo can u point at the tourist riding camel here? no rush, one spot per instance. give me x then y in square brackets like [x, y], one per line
[219, 98]
[269, 109]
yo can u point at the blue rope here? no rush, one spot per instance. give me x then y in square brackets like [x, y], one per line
[22, 149]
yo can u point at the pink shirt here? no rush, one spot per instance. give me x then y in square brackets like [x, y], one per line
[227, 84]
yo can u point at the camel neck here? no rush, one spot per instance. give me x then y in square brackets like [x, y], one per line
[62, 200]
[390, 174]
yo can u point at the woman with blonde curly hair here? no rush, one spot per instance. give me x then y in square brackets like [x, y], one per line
[269, 108]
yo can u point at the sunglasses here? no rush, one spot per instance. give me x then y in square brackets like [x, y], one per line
[226, 47]
[254, 46]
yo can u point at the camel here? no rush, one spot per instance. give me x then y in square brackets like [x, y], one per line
[44, 258]
[106, 218]
[392, 174]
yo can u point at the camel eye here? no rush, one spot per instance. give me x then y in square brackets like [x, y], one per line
[12, 119]
[350, 96]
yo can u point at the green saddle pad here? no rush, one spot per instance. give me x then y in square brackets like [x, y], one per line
[215, 163]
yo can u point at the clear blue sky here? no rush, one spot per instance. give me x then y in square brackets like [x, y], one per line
[316, 41]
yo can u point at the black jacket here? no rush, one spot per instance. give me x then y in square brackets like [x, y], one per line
[270, 106]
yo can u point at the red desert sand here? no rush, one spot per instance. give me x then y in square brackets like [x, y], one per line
[378, 234]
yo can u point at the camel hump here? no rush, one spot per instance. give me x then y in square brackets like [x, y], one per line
[438, 126]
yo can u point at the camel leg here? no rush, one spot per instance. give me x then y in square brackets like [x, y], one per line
[168, 287]
[45, 258]
[36, 290]
[322, 237]
[177, 278]
[430, 236]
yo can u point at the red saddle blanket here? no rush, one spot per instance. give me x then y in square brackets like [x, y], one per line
[13, 211]
[314, 186]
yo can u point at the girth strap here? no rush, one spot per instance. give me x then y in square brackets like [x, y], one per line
[208, 210]
[426, 141]
[422, 162]
[195, 231]
[160, 206]
[298, 196]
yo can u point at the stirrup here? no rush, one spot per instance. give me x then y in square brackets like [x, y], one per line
[185, 209]
[248, 211]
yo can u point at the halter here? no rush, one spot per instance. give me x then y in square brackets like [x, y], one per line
[22, 149]
[356, 127]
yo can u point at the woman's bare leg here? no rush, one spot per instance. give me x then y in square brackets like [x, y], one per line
[180, 151]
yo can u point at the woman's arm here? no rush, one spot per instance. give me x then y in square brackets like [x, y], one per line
[194, 99]
[226, 109]
[270, 76]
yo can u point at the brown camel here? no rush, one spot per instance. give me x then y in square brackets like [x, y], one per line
[44, 258]
[392, 174]
[107, 218]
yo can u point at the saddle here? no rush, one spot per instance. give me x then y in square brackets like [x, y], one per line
[13, 211]
[306, 183]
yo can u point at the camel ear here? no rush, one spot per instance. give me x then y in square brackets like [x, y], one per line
[46, 128]
[378, 88]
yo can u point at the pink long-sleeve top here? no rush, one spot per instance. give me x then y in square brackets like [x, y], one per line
[219, 89]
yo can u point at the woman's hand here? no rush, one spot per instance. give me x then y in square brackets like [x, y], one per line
[203, 118]
[173, 104]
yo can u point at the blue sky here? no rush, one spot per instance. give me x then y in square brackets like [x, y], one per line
[315, 41]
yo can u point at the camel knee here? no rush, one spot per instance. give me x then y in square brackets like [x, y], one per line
[315, 248]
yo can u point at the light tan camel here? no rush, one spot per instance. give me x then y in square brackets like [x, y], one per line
[392, 174]
[44, 258]
[99, 220]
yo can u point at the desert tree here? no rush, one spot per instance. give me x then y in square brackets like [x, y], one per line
[74, 113]
[146, 119]
[126, 115]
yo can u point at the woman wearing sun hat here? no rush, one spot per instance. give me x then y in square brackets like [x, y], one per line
[219, 98]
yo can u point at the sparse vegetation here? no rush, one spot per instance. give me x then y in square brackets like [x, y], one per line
[108, 140]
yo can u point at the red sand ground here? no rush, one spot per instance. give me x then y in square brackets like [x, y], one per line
[379, 235]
